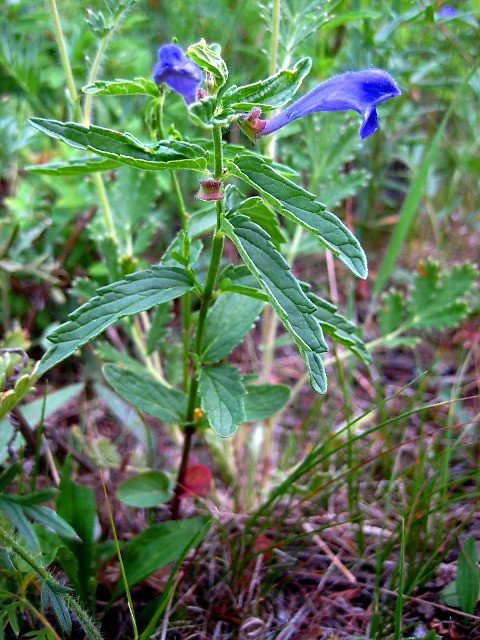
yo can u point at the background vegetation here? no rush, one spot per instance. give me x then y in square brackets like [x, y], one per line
[353, 514]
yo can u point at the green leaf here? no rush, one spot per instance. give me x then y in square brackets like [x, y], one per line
[75, 167]
[60, 608]
[315, 370]
[300, 206]
[76, 504]
[30, 499]
[51, 520]
[145, 490]
[274, 276]
[271, 93]
[339, 328]
[7, 476]
[391, 312]
[53, 402]
[257, 210]
[436, 300]
[149, 395]
[468, 576]
[11, 397]
[239, 279]
[221, 392]
[209, 59]
[137, 86]
[16, 516]
[229, 320]
[125, 148]
[264, 400]
[205, 113]
[158, 545]
[138, 292]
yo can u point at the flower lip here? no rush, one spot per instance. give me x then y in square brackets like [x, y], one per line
[178, 72]
[360, 91]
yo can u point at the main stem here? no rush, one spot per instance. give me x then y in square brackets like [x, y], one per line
[216, 255]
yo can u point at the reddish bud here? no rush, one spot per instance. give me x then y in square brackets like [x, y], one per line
[251, 124]
[210, 189]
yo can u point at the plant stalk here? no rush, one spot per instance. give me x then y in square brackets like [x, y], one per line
[215, 258]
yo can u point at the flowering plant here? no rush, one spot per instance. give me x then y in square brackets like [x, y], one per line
[219, 307]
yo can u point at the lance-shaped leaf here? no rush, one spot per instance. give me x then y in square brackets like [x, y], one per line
[125, 148]
[229, 320]
[315, 370]
[300, 206]
[339, 328]
[138, 292]
[274, 276]
[148, 395]
[259, 212]
[268, 94]
[75, 167]
[221, 393]
[137, 86]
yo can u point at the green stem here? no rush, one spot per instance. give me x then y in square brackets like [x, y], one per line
[275, 32]
[107, 212]
[215, 258]
[82, 616]
[63, 51]
[92, 76]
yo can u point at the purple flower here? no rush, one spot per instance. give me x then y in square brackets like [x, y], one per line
[447, 11]
[357, 90]
[178, 71]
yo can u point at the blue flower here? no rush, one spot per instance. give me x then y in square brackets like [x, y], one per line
[357, 90]
[178, 71]
[447, 11]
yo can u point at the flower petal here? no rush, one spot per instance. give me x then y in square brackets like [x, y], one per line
[178, 71]
[357, 90]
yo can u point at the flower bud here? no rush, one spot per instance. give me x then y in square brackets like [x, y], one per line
[251, 124]
[210, 189]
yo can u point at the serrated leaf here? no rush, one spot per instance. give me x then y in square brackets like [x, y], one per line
[391, 312]
[274, 276]
[221, 393]
[138, 292]
[145, 490]
[315, 370]
[271, 93]
[75, 167]
[137, 86]
[148, 395]
[300, 206]
[468, 576]
[229, 320]
[209, 59]
[125, 148]
[264, 400]
[257, 210]
[436, 300]
[339, 328]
